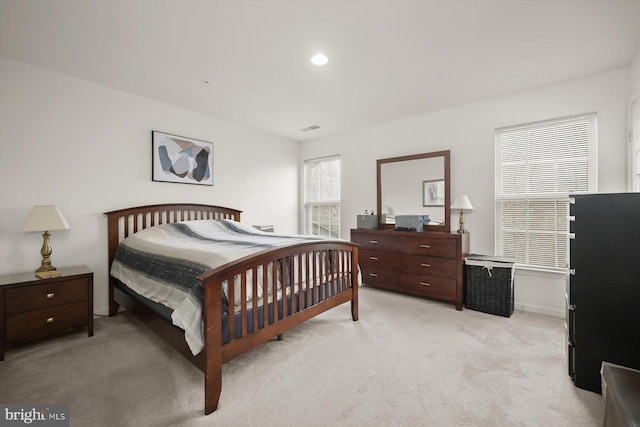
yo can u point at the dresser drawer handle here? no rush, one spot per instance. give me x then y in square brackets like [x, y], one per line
[51, 295]
[424, 264]
[425, 284]
[373, 258]
[373, 275]
[50, 319]
[375, 242]
[425, 246]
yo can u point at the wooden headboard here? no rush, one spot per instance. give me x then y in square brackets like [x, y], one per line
[124, 222]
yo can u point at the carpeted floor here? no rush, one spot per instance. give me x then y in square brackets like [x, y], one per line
[406, 362]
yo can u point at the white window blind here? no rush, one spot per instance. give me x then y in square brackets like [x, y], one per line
[537, 166]
[322, 196]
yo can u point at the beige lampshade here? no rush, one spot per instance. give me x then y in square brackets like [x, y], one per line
[462, 202]
[45, 218]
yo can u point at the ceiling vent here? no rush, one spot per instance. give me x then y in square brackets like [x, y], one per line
[307, 129]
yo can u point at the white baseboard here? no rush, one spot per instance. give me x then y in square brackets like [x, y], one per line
[540, 310]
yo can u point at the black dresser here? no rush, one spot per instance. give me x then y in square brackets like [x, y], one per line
[603, 285]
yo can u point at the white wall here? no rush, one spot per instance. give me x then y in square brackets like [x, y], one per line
[87, 148]
[468, 131]
[633, 163]
[635, 76]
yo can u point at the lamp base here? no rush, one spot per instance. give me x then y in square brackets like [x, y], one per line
[461, 230]
[45, 251]
[48, 274]
[44, 267]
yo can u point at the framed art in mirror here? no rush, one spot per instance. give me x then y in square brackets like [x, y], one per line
[433, 192]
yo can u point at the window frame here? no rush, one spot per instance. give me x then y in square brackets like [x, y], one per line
[556, 198]
[310, 204]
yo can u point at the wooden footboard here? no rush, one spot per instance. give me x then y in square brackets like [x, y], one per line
[313, 277]
[298, 282]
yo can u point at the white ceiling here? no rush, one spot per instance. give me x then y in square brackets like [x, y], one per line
[387, 59]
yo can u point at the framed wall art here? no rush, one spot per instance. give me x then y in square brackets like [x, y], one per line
[180, 159]
[433, 192]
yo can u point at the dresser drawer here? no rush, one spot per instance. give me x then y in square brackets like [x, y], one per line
[378, 259]
[445, 248]
[428, 265]
[377, 241]
[35, 297]
[378, 275]
[46, 321]
[431, 286]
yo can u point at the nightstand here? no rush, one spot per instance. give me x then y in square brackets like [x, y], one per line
[32, 308]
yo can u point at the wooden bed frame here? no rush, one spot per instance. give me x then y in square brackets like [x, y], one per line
[341, 286]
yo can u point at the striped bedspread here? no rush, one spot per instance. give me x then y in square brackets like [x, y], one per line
[161, 263]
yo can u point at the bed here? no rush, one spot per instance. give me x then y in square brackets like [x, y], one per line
[247, 299]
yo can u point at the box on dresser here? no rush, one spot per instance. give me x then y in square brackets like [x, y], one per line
[367, 221]
[33, 308]
[428, 264]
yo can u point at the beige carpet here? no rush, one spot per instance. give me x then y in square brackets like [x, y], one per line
[406, 362]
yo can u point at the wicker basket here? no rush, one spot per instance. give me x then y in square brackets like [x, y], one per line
[489, 284]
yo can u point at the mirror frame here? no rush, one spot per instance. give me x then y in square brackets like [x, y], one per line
[446, 154]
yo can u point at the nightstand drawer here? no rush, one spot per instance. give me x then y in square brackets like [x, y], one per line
[429, 265]
[36, 297]
[46, 321]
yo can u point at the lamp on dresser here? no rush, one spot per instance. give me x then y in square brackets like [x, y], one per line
[462, 202]
[45, 218]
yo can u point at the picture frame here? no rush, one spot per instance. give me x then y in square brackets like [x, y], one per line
[182, 160]
[433, 192]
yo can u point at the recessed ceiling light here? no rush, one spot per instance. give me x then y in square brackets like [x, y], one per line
[319, 59]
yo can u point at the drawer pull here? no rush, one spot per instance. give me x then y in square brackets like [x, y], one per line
[373, 275]
[50, 319]
[424, 264]
[51, 295]
[425, 284]
[373, 258]
[425, 246]
[375, 242]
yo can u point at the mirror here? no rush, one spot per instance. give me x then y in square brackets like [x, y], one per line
[414, 185]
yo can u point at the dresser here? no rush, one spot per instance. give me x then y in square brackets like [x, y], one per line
[428, 264]
[603, 286]
[32, 308]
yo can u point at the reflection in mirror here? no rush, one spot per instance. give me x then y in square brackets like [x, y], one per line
[403, 185]
[414, 185]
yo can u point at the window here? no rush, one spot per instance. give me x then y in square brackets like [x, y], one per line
[538, 166]
[322, 197]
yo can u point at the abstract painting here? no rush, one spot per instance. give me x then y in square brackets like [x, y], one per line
[182, 160]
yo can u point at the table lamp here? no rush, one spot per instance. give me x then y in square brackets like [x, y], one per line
[45, 219]
[462, 202]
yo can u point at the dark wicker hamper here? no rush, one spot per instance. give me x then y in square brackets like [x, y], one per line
[489, 284]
